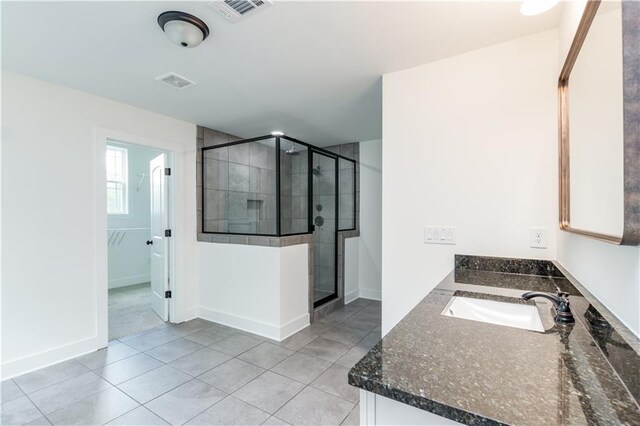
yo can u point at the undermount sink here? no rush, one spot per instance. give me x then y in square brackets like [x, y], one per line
[499, 313]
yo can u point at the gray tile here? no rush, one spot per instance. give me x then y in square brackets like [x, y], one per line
[354, 355]
[269, 391]
[299, 340]
[334, 381]
[151, 340]
[266, 355]
[185, 401]
[345, 334]
[116, 351]
[274, 421]
[369, 341]
[40, 421]
[325, 349]
[125, 339]
[9, 391]
[314, 407]
[188, 327]
[95, 410]
[174, 350]
[239, 154]
[209, 335]
[230, 411]
[50, 375]
[231, 375]
[238, 178]
[361, 324]
[128, 368]
[236, 344]
[200, 361]
[216, 174]
[18, 411]
[353, 419]
[154, 383]
[301, 367]
[60, 395]
[138, 417]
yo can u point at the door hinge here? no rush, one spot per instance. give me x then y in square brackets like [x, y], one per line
[167, 232]
[167, 171]
[167, 294]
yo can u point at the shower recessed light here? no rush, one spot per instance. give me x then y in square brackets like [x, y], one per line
[183, 29]
[277, 133]
[536, 7]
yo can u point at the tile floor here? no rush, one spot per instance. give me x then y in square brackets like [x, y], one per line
[200, 373]
[130, 311]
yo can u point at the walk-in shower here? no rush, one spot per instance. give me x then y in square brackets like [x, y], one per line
[279, 186]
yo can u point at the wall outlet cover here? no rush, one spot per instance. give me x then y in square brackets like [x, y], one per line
[538, 238]
[440, 235]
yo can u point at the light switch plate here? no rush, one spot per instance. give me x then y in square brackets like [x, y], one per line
[440, 235]
[538, 237]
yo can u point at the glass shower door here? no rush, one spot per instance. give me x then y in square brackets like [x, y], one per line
[323, 216]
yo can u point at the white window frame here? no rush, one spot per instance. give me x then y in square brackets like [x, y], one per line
[124, 182]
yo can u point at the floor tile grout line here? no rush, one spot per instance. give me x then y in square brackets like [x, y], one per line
[30, 400]
[136, 376]
[60, 382]
[327, 328]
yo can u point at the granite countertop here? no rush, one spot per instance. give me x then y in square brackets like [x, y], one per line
[479, 373]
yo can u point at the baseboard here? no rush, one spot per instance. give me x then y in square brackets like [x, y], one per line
[292, 327]
[351, 296]
[190, 313]
[130, 280]
[49, 357]
[366, 293]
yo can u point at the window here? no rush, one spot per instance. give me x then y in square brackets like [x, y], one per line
[117, 180]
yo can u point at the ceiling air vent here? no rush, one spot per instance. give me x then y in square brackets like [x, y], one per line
[236, 10]
[174, 80]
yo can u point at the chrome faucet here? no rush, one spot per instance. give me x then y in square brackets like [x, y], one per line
[560, 302]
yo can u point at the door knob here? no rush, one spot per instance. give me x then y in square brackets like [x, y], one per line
[149, 242]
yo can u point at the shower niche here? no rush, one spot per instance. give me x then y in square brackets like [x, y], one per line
[280, 187]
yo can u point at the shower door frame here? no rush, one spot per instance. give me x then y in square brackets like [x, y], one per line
[313, 151]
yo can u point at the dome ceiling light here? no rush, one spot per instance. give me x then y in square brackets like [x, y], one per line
[183, 29]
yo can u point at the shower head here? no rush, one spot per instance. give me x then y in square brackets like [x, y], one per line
[292, 151]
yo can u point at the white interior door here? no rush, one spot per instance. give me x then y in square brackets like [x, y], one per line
[160, 246]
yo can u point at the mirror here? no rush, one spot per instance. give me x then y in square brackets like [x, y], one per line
[599, 157]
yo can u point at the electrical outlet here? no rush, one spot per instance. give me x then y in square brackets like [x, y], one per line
[439, 235]
[539, 237]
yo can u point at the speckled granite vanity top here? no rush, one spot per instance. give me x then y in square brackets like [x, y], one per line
[479, 373]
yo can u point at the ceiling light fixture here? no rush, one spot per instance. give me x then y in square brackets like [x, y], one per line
[536, 7]
[183, 29]
[277, 133]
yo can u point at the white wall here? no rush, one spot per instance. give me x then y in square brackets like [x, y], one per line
[263, 290]
[370, 240]
[611, 273]
[363, 255]
[50, 255]
[129, 256]
[469, 141]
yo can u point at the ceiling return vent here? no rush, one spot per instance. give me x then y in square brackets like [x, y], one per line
[237, 10]
[174, 80]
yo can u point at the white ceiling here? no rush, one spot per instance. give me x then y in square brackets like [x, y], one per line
[310, 69]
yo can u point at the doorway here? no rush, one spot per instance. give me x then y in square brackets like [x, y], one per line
[138, 227]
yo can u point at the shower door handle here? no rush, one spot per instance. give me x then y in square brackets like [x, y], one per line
[149, 242]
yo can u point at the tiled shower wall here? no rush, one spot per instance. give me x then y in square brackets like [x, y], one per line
[239, 189]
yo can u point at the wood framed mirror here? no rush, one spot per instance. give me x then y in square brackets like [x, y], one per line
[600, 135]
